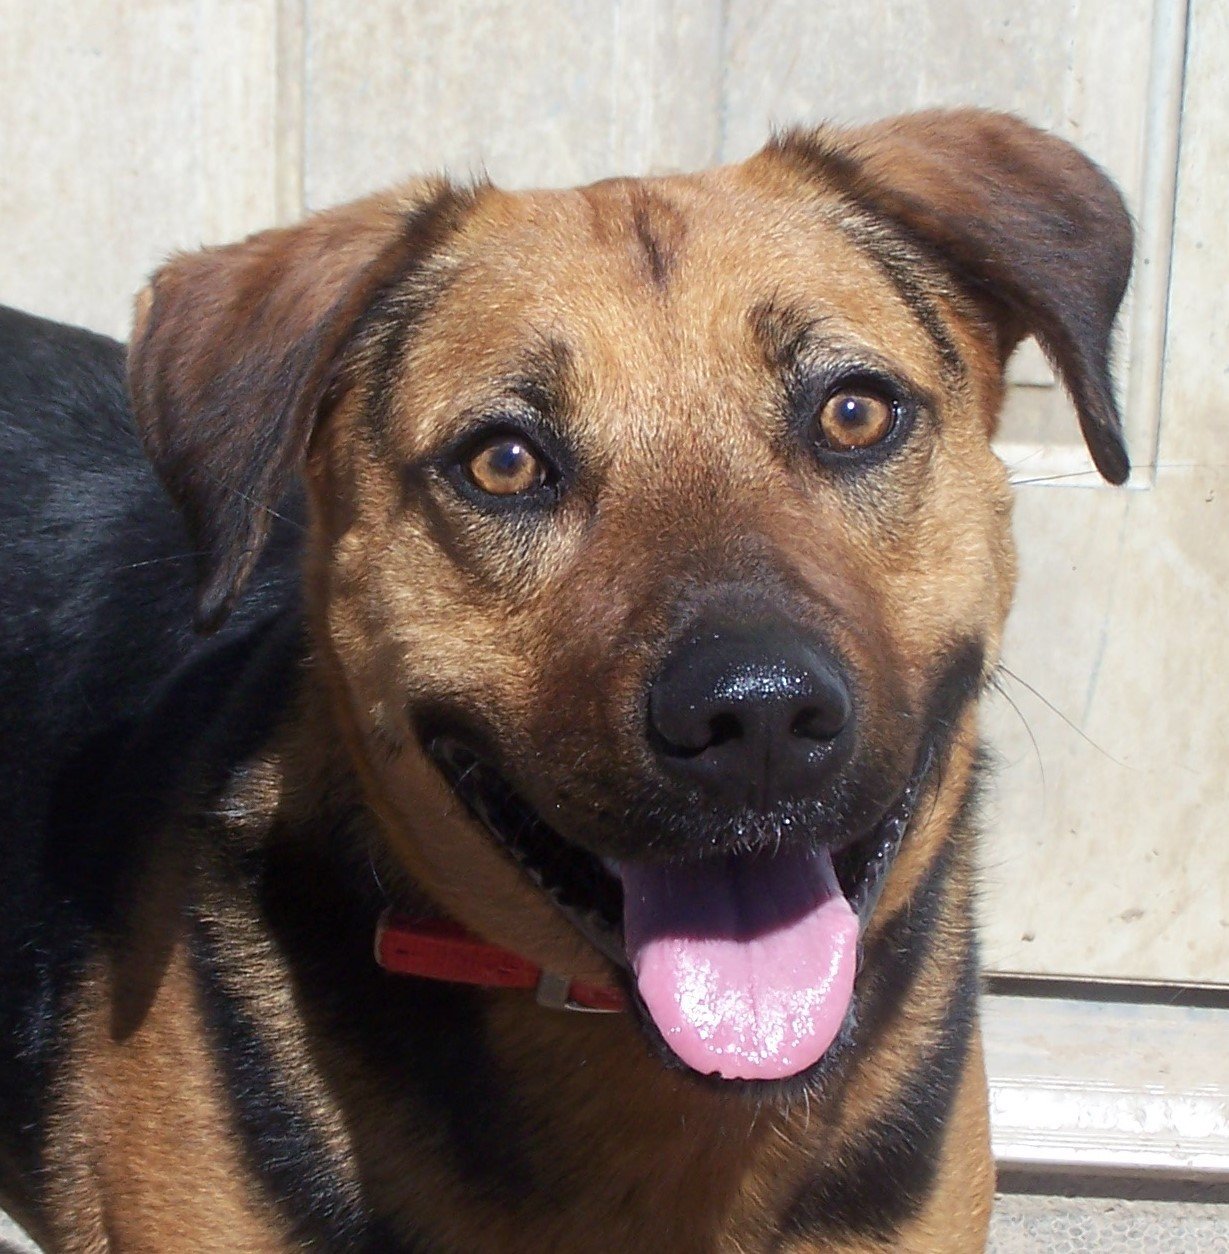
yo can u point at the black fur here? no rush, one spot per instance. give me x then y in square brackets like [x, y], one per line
[280, 1139]
[885, 1175]
[423, 1043]
[100, 672]
[906, 269]
[404, 301]
[898, 955]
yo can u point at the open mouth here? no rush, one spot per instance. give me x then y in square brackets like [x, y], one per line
[744, 962]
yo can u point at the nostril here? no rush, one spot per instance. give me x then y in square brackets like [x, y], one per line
[723, 727]
[718, 730]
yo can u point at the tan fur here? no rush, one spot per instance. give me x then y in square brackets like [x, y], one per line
[143, 1135]
[653, 306]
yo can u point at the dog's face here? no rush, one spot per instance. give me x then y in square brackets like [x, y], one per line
[658, 546]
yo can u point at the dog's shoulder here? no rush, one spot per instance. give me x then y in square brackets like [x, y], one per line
[97, 571]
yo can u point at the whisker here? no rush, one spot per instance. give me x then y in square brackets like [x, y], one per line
[1079, 731]
[157, 561]
[1081, 474]
[1041, 766]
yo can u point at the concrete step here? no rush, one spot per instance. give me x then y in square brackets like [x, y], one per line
[1038, 1224]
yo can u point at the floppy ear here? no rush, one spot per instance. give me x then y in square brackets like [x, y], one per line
[1022, 217]
[236, 351]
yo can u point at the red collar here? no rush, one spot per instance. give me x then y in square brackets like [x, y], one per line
[437, 949]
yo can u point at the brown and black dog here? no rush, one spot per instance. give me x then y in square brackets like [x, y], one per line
[610, 573]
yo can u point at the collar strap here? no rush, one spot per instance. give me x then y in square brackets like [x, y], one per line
[438, 949]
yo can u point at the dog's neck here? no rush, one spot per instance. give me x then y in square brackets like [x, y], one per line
[683, 1159]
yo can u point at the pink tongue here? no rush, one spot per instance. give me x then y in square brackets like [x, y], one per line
[745, 964]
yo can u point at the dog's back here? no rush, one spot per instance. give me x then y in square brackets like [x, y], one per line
[87, 530]
[96, 578]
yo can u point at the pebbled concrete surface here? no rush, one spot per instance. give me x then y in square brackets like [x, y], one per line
[1031, 1224]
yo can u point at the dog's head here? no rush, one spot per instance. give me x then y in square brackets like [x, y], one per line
[657, 544]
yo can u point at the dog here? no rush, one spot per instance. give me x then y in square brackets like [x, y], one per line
[489, 693]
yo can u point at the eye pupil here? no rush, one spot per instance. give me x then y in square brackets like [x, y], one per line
[850, 420]
[508, 458]
[506, 466]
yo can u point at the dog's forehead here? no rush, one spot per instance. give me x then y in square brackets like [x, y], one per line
[657, 292]
[694, 254]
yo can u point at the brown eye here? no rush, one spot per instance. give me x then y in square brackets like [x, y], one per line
[855, 420]
[507, 465]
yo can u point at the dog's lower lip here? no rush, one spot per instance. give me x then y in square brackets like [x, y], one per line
[862, 865]
[526, 838]
[587, 889]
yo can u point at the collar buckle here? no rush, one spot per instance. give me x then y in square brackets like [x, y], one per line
[555, 992]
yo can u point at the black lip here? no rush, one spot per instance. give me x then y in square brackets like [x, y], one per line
[582, 888]
[863, 864]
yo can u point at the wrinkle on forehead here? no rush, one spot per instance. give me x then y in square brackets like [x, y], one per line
[639, 218]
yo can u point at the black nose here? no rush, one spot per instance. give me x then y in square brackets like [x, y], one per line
[753, 715]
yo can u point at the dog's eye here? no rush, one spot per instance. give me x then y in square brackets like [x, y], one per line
[852, 419]
[507, 465]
